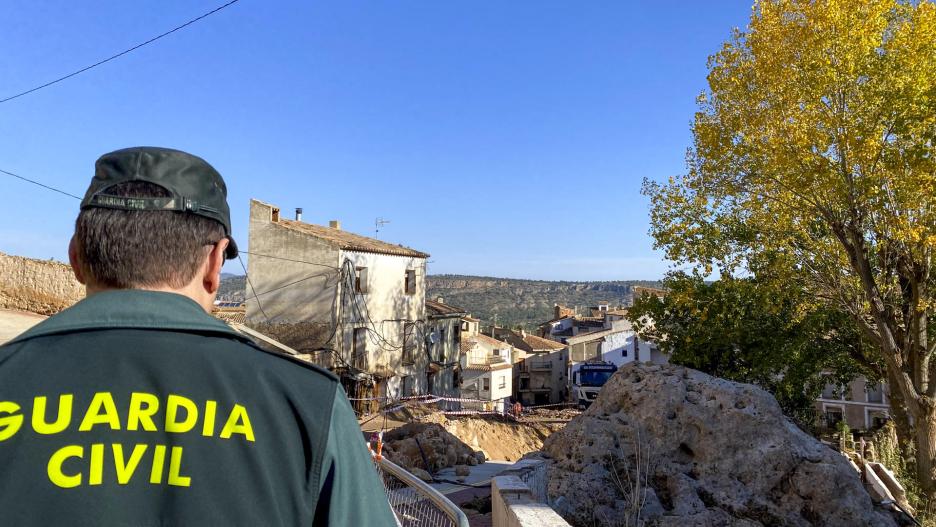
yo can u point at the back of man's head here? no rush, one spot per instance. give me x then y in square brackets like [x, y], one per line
[149, 219]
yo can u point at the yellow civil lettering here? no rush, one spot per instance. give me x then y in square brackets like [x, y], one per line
[39, 423]
[125, 469]
[54, 469]
[11, 423]
[238, 423]
[159, 460]
[211, 408]
[175, 467]
[173, 403]
[142, 408]
[96, 474]
[101, 411]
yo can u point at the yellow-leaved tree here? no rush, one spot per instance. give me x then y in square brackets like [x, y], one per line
[815, 144]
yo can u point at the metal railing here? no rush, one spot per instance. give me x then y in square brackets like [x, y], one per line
[414, 503]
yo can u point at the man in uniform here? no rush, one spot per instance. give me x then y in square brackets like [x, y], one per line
[136, 408]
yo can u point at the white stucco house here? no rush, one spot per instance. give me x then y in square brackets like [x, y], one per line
[353, 304]
[486, 371]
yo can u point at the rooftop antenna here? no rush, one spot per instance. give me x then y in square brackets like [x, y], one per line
[378, 223]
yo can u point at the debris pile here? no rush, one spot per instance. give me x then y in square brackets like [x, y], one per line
[428, 447]
[670, 446]
[501, 440]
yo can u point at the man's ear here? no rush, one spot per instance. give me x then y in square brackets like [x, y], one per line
[212, 279]
[73, 261]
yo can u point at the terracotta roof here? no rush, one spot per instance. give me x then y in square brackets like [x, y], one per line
[539, 343]
[348, 240]
[438, 309]
[465, 346]
[230, 315]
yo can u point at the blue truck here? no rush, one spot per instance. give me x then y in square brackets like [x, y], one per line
[587, 380]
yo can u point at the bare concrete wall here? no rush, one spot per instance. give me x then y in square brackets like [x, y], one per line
[296, 279]
[37, 286]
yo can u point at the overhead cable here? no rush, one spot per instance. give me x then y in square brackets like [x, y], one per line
[53, 189]
[118, 55]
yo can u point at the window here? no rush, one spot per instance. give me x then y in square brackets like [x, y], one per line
[875, 393]
[496, 353]
[406, 385]
[409, 339]
[624, 352]
[503, 383]
[360, 279]
[359, 358]
[441, 345]
[833, 415]
[486, 384]
[410, 282]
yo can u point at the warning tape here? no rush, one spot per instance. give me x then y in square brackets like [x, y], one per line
[548, 405]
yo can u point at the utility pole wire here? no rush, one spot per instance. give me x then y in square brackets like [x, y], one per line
[118, 55]
[53, 189]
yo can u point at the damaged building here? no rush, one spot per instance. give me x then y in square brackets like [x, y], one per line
[353, 304]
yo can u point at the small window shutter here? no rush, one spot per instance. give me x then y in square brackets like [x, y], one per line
[363, 274]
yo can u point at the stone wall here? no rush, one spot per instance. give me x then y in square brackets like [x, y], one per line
[37, 286]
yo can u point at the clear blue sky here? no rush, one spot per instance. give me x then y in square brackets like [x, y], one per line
[504, 138]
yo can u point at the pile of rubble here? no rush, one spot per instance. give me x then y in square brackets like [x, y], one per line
[426, 448]
[670, 446]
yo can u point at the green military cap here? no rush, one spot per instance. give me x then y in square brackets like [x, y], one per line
[194, 185]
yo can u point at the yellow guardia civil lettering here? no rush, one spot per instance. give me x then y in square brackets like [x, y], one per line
[74, 465]
[10, 423]
[54, 468]
[126, 468]
[98, 467]
[102, 401]
[143, 406]
[238, 423]
[181, 415]
[39, 422]
[173, 403]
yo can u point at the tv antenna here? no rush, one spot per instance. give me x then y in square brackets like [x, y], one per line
[378, 223]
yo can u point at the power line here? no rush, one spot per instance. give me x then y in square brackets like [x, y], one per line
[289, 259]
[39, 184]
[254, 291]
[118, 55]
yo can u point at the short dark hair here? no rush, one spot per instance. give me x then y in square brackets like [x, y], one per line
[125, 249]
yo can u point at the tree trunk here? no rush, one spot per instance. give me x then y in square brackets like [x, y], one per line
[926, 455]
[898, 408]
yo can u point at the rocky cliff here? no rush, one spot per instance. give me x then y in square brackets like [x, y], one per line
[526, 302]
[670, 446]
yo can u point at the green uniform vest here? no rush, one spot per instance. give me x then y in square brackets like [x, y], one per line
[136, 408]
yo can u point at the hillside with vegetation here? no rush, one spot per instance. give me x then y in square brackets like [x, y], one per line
[233, 287]
[515, 302]
[527, 303]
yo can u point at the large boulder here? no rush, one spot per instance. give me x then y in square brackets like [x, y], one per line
[671, 446]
